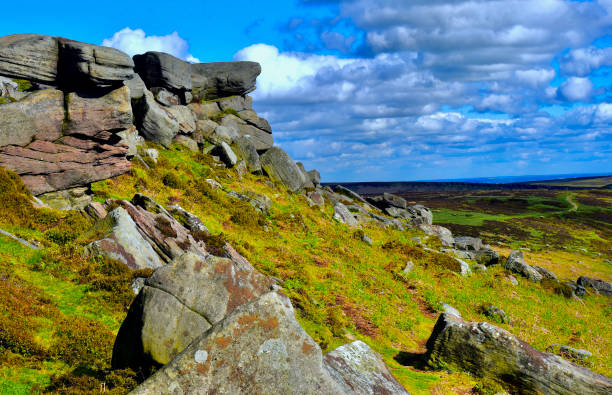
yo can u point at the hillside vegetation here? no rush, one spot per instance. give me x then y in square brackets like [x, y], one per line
[61, 311]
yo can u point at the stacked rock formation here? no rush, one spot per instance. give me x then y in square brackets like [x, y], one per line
[73, 113]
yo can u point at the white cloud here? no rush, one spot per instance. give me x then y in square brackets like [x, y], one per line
[535, 77]
[135, 42]
[577, 89]
[583, 61]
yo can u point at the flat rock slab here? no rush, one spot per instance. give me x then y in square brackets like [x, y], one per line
[158, 69]
[31, 57]
[223, 79]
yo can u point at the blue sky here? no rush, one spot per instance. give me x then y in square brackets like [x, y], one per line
[378, 90]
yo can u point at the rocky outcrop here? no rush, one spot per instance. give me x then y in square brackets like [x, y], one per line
[516, 264]
[223, 79]
[359, 370]
[280, 167]
[245, 148]
[491, 352]
[343, 215]
[179, 302]
[154, 122]
[467, 243]
[442, 233]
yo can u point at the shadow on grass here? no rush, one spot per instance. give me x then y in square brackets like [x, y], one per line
[416, 360]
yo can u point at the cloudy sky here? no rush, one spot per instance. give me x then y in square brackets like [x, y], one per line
[380, 90]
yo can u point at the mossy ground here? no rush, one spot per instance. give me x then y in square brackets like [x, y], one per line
[342, 288]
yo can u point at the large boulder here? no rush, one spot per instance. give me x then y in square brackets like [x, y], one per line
[600, 286]
[223, 79]
[280, 167]
[419, 215]
[343, 215]
[490, 352]
[262, 140]
[124, 242]
[468, 243]
[516, 264]
[360, 370]
[259, 348]
[179, 302]
[83, 66]
[31, 57]
[251, 117]
[158, 69]
[347, 192]
[154, 122]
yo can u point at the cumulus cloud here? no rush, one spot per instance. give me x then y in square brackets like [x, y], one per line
[577, 89]
[135, 42]
[583, 61]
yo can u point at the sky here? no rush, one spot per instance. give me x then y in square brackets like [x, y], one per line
[390, 90]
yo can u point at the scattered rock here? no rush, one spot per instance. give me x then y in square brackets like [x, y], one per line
[188, 220]
[420, 215]
[341, 214]
[316, 197]
[578, 290]
[516, 264]
[490, 352]
[546, 273]
[478, 268]
[151, 153]
[600, 286]
[226, 154]
[366, 239]
[347, 192]
[280, 167]
[467, 243]
[186, 142]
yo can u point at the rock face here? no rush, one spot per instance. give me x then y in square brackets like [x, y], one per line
[280, 167]
[29, 56]
[89, 148]
[154, 122]
[600, 286]
[245, 148]
[442, 233]
[85, 65]
[359, 370]
[488, 351]
[223, 79]
[343, 215]
[516, 264]
[180, 301]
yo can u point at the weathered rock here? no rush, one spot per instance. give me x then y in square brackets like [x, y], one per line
[131, 139]
[280, 167]
[578, 290]
[84, 65]
[205, 110]
[95, 210]
[188, 220]
[516, 264]
[491, 352]
[347, 192]
[464, 268]
[316, 198]
[409, 267]
[546, 273]
[71, 199]
[262, 140]
[494, 313]
[124, 242]
[393, 200]
[315, 177]
[154, 122]
[179, 302]
[89, 115]
[227, 155]
[397, 212]
[223, 79]
[259, 202]
[185, 118]
[448, 309]
[602, 287]
[38, 116]
[251, 117]
[388, 222]
[343, 215]
[258, 348]
[186, 142]
[136, 85]
[31, 57]
[567, 352]
[11, 90]
[236, 103]
[245, 148]
[360, 370]
[468, 243]
[486, 256]
[419, 215]
[158, 69]
[151, 153]
[442, 233]
[478, 268]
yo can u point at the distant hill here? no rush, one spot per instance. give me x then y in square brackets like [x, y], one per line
[399, 187]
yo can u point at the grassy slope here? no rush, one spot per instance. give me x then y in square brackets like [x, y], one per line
[342, 288]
